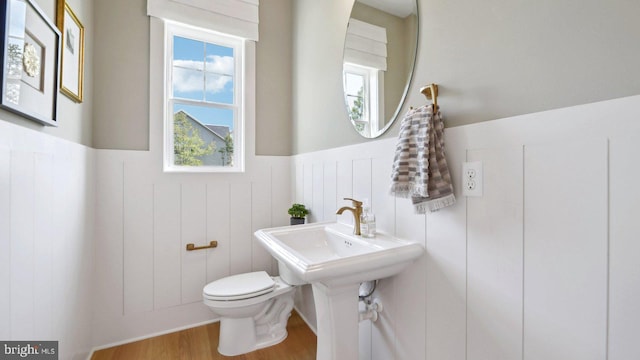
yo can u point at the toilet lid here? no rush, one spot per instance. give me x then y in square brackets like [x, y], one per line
[241, 286]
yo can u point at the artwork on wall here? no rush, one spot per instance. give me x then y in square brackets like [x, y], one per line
[72, 70]
[30, 45]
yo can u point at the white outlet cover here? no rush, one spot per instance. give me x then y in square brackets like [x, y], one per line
[472, 178]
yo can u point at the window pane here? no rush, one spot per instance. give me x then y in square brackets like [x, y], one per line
[219, 88]
[203, 136]
[219, 59]
[355, 95]
[355, 105]
[220, 69]
[188, 84]
[354, 83]
[188, 53]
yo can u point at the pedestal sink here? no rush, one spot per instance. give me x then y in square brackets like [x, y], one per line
[335, 262]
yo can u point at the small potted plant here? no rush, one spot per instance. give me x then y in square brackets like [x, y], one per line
[297, 212]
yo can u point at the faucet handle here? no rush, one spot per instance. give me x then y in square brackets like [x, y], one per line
[355, 202]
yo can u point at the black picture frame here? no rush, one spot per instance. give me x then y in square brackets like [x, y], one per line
[30, 61]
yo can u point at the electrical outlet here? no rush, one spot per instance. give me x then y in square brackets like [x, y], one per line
[470, 184]
[472, 178]
[470, 173]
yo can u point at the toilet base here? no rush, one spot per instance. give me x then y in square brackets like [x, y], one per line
[230, 345]
[242, 335]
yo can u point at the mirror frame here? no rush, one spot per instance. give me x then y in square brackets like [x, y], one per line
[408, 83]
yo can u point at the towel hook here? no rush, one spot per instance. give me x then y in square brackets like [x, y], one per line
[431, 92]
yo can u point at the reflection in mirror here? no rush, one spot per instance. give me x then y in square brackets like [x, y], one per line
[379, 57]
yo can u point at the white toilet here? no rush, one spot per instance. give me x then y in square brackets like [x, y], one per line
[253, 308]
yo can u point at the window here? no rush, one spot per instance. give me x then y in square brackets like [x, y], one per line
[204, 104]
[361, 85]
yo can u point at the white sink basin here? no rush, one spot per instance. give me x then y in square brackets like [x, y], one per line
[335, 262]
[329, 253]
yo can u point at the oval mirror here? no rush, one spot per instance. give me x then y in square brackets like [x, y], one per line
[379, 58]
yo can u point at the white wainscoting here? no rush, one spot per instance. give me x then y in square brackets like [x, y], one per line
[146, 282]
[543, 266]
[46, 240]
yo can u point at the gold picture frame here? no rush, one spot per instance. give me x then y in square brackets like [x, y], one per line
[72, 51]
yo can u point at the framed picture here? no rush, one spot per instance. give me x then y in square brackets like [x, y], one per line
[72, 70]
[30, 45]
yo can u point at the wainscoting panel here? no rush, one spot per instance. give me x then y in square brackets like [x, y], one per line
[43, 313]
[138, 240]
[218, 228]
[362, 180]
[240, 221]
[109, 240]
[193, 226]
[308, 190]
[624, 269]
[149, 217]
[542, 266]
[565, 250]
[261, 218]
[5, 240]
[22, 226]
[494, 257]
[46, 246]
[166, 250]
[317, 200]
[329, 188]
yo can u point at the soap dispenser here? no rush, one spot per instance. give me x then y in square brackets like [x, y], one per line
[367, 221]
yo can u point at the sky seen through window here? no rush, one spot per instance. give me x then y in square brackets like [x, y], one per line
[204, 72]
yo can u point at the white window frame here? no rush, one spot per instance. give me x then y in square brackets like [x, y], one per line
[239, 45]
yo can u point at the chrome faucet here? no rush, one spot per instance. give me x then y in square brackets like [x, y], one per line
[356, 210]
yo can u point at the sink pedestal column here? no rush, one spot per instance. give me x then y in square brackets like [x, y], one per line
[337, 321]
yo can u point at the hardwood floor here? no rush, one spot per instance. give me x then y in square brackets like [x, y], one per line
[202, 343]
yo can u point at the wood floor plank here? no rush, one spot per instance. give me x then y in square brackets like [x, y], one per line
[201, 343]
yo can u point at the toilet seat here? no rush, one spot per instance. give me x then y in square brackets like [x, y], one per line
[239, 287]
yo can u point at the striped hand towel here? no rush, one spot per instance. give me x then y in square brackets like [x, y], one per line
[420, 169]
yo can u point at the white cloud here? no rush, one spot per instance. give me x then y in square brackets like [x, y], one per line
[219, 74]
[220, 64]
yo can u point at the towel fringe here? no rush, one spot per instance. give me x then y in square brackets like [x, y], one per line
[435, 204]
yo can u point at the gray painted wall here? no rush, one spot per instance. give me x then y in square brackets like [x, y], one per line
[492, 59]
[121, 117]
[122, 79]
[273, 79]
[74, 119]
